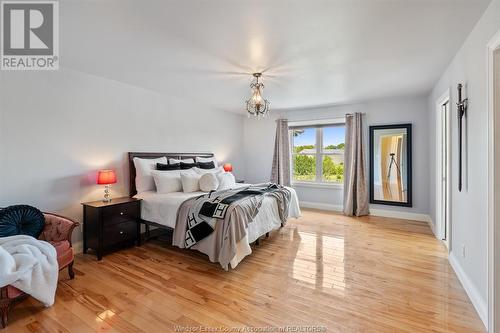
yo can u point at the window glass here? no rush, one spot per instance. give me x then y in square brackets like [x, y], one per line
[304, 167]
[333, 154]
[304, 141]
[318, 154]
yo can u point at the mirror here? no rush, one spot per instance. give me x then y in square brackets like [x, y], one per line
[390, 165]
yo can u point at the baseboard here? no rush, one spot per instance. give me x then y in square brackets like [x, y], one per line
[78, 247]
[374, 212]
[479, 303]
[401, 215]
[319, 205]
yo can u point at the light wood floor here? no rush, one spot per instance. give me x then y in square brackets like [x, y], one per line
[348, 275]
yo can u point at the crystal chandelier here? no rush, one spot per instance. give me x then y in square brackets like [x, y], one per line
[257, 106]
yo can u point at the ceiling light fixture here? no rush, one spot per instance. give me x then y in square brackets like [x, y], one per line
[257, 106]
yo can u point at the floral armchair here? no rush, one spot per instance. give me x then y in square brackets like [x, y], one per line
[57, 231]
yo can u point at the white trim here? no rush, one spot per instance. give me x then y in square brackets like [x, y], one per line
[326, 121]
[479, 303]
[78, 247]
[401, 215]
[322, 206]
[332, 186]
[373, 212]
[439, 229]
[492, 46]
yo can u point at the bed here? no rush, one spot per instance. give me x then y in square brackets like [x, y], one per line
[161, 209]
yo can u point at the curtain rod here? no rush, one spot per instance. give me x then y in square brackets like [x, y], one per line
[319, 119]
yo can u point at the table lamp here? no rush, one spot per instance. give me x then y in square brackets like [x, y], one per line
[106, 177]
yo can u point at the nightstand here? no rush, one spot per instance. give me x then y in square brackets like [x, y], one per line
[111, 225]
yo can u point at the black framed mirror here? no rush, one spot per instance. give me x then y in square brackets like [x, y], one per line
[390, 165]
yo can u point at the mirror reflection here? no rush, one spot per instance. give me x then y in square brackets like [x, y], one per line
[390, 164]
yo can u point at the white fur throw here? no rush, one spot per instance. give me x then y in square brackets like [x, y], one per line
[29, 265]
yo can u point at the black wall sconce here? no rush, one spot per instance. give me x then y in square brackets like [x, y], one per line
[461, 113]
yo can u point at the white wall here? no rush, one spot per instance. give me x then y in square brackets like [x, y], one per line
[469, 207]
[259, 145]
[58, 128]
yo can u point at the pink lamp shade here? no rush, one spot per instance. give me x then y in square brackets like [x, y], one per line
[106, 177]
[228, 167]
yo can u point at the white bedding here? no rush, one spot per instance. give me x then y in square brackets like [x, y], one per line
[162, 209]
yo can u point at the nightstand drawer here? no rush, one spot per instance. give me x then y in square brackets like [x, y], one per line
[120, 213]
[120, 232]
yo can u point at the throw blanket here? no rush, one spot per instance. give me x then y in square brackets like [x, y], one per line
[29, 265]
[227, 213]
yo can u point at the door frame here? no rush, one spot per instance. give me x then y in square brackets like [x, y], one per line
[440, 224]
[493, 214]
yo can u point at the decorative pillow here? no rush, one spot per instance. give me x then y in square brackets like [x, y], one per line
[21, 220]
[143, 177]
[204, 171]
[207, 159]
[190, 182]
[167, 181]
[206, 165]
[175, 161]
[165, 167]
[226, 181]
[185, 166]
[209, 182]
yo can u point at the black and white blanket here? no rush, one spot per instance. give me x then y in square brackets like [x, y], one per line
[209, 209]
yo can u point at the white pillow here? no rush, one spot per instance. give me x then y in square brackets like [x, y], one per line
[175, 161]
[226, 181]
[190, 182]
[208, 182]
[204, 171]
[206, 160]
[143, 177]
[167, 181]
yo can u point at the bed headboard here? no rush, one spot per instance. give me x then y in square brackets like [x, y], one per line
[179, 156]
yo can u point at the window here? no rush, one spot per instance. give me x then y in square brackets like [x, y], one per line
[317, 153]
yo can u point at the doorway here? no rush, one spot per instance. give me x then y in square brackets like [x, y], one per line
[443, 152]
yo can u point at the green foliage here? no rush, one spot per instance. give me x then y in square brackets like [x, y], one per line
[332, 171]
[298, 149]
[304, 167]
[339, 146]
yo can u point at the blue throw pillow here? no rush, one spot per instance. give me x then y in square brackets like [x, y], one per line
[21, 220]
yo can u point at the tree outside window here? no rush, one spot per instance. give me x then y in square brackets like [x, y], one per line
[318, 153]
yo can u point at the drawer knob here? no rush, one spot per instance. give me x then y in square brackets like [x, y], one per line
[121, 213]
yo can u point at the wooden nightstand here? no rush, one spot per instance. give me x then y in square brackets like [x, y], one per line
[111, 225]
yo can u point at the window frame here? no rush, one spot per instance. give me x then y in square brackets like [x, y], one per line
[319, 154]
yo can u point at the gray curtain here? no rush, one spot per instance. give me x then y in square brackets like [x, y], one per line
[280, 172]
[355, 178]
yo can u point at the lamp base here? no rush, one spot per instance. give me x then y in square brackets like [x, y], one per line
[107, 197]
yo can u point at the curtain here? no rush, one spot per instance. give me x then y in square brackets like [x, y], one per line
[355, 178]
[280, 173]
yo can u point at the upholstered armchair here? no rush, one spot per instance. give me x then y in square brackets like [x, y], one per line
[57, 231]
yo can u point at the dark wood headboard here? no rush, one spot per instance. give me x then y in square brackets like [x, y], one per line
[179, 156]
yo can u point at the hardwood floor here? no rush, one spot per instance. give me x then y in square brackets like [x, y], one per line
[346, 275]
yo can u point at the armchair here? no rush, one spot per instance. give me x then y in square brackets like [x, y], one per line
[57, 231]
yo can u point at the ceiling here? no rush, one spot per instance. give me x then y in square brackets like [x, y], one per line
[312, 52]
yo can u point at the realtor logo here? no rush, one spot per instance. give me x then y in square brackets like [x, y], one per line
[29, 35]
